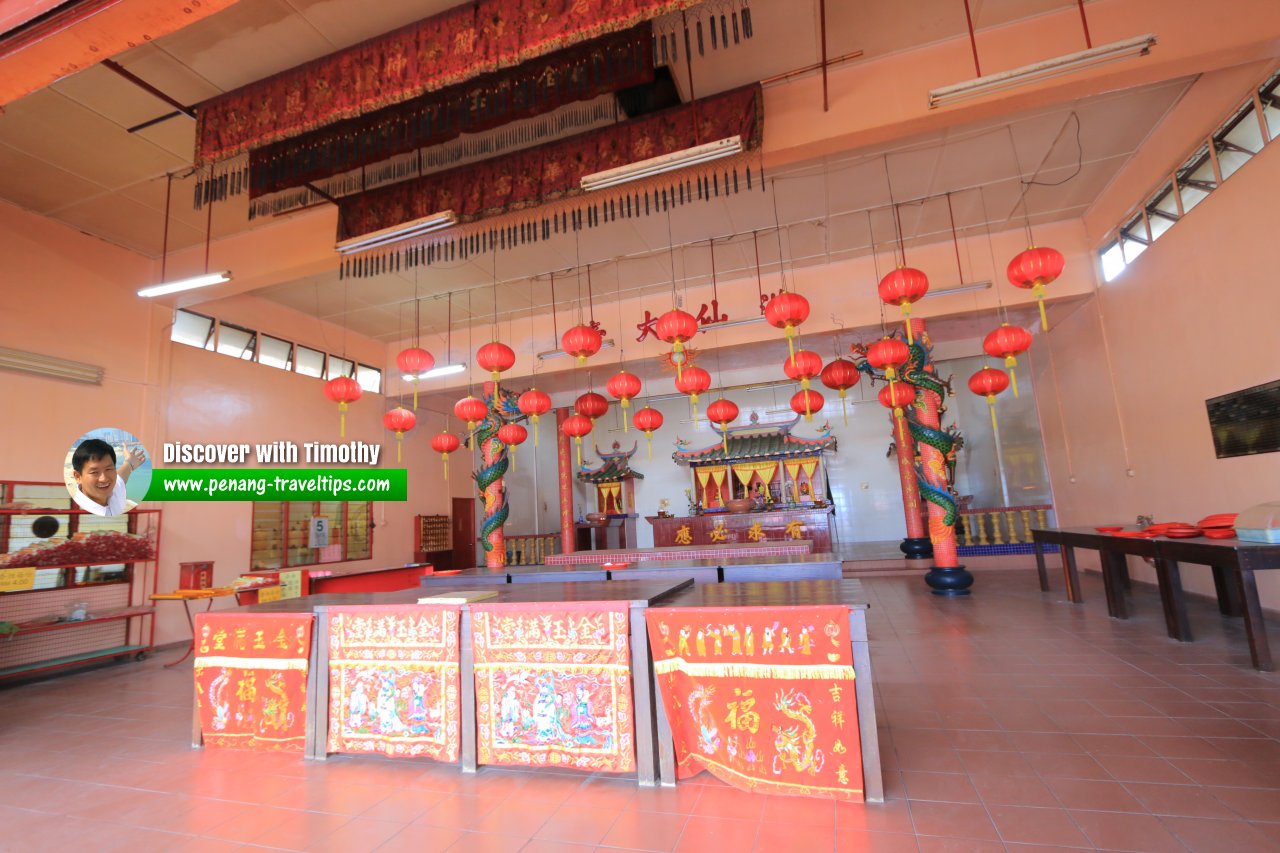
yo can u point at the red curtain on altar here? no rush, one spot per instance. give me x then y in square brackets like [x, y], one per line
[553, 685]
[251, 679]
[761, 697]
[555, 170]
[394, 681]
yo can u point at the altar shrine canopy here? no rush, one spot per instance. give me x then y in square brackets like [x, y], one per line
[761, 462]
[614, 481]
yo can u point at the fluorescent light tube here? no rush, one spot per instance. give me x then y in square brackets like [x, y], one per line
[959, 288]
[559, 353]
[49, 366]
[727, 324]
[443, 370]
[664, 163]
[186, 283]
[396, 233]
[1037, 71]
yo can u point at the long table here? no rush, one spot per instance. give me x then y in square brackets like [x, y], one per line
[740, 569]
[1232, 562]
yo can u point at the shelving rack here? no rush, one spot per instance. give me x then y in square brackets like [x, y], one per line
[119, 622]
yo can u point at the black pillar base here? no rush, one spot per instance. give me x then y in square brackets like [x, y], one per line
[949, 581]
[917, 548]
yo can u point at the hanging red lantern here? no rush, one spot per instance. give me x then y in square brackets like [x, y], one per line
[648, 420]
[902, 287]
[1032, 270]
[576, 426]
[807, 402]
[534, 403]
[399, 420]
[802, 365]
[445, 443]
[581, 342]
[693, 382]
[471, 410]
[988, 382]
[512, 435]
[591, 405]
[841, 375]
[723, 412]
[675, 327]
[787, 311]
[495, 357]
[342, 390]
[888, 354]
[624, 386]
[413, 362]
[897, 397]
[1008, 342]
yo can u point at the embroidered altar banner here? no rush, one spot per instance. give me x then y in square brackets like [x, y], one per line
[554, 170]
[251, 679]
[394, 681]
[455, 45]
[553, 685]
[579, 73]
[761, 697]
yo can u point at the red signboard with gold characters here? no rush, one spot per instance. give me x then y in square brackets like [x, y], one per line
[553, 685]
[251, 679]
[394, 682]
[762, 697]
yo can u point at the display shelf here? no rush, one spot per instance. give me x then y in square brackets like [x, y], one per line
[72, 660]
[72, 585]
[126, 613]
[85, 565]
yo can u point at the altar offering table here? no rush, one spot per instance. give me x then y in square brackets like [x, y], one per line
[784, 525]
[745, 568]
[726, 551]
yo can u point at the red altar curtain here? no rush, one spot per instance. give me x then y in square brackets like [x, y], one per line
[578, 73]
[553, 685]
[761, 697]
[394, 681]
[251, 679]
[554, 170]
[453, 46]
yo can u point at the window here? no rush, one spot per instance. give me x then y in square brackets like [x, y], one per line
[274, 352]
[1238, 140]
[310, 362]
[339, 366]
[1112, 261]
[370, 378]
[192, 329]
[282, 533]
[236, 341]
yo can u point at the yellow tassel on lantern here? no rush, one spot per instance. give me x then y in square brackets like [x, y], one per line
[1037, 290]
[1010, 362]
[578, 440]
[648, 439]
[678, 349]
[342, 420]
[414, 380]
[791, 340]
[513, 457]
[991, 403]
[724, 433]
[444, 457]
[693, 401]
[844, 409]
[906, 317]
[625, 405]
[398, 437]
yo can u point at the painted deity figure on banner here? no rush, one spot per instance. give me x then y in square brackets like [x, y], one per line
[510, 714]
[546, 716]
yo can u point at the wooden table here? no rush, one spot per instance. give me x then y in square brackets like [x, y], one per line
[1233, 564]
[738, 569]
[814, 523]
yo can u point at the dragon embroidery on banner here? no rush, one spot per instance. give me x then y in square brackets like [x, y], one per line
[795, 744]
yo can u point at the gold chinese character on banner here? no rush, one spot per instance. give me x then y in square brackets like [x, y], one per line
[281, 641]
[842, 774]
[837, 718]
[247, 690]
[794, 528]
[220, 640]
[241, 634]
[756, 532]
[740, 716]
[683, 536]
[835, 692]
[259, 639]
[718, 533]
[839, 748]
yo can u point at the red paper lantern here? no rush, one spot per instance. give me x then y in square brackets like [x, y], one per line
[807, 402]
[841, 375]
[897, 396]
[693, 382]
[534, 403]
[1032, 270]
[888, 354]
[786, 311]
[675, 327]
[342, 390]
[1008, 342]
[902, 287]
[471, 410]
[413, 362]
[581, 342]
[445, 443]
[399, 420]
[648, 420]
[988, 382]
[512, 435]
[591, 405]
[576, 426]
[624, 386]
[802, 365]
[495, 357]
[723, 412]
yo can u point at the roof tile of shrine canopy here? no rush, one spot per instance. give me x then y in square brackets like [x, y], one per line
[757, 440]
[616, 466]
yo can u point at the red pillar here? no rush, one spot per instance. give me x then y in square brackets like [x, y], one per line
[916, 545]
[564, 464]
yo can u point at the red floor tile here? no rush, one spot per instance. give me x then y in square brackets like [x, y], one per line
[650, 831]
[1179, 800]
[1037, 826]
[717, 835]
[952, 820]
[1093, 794]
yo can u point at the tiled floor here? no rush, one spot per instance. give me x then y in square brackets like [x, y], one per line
[1012, 720]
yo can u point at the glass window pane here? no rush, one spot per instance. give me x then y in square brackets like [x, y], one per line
[1112, 261]
[339, 367]
[1243, 131]
[192, 329]
[358, 543]
[370, 378]
[310, 362]
[1163, 201]
[1132, 248]
[1159, 224]
[1135, 228]
[236, 341]
[1270, 95]
[274, 352]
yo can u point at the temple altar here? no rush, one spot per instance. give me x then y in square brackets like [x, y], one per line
[782, 525]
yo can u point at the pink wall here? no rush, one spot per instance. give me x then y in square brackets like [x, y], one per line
[1191, 318]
